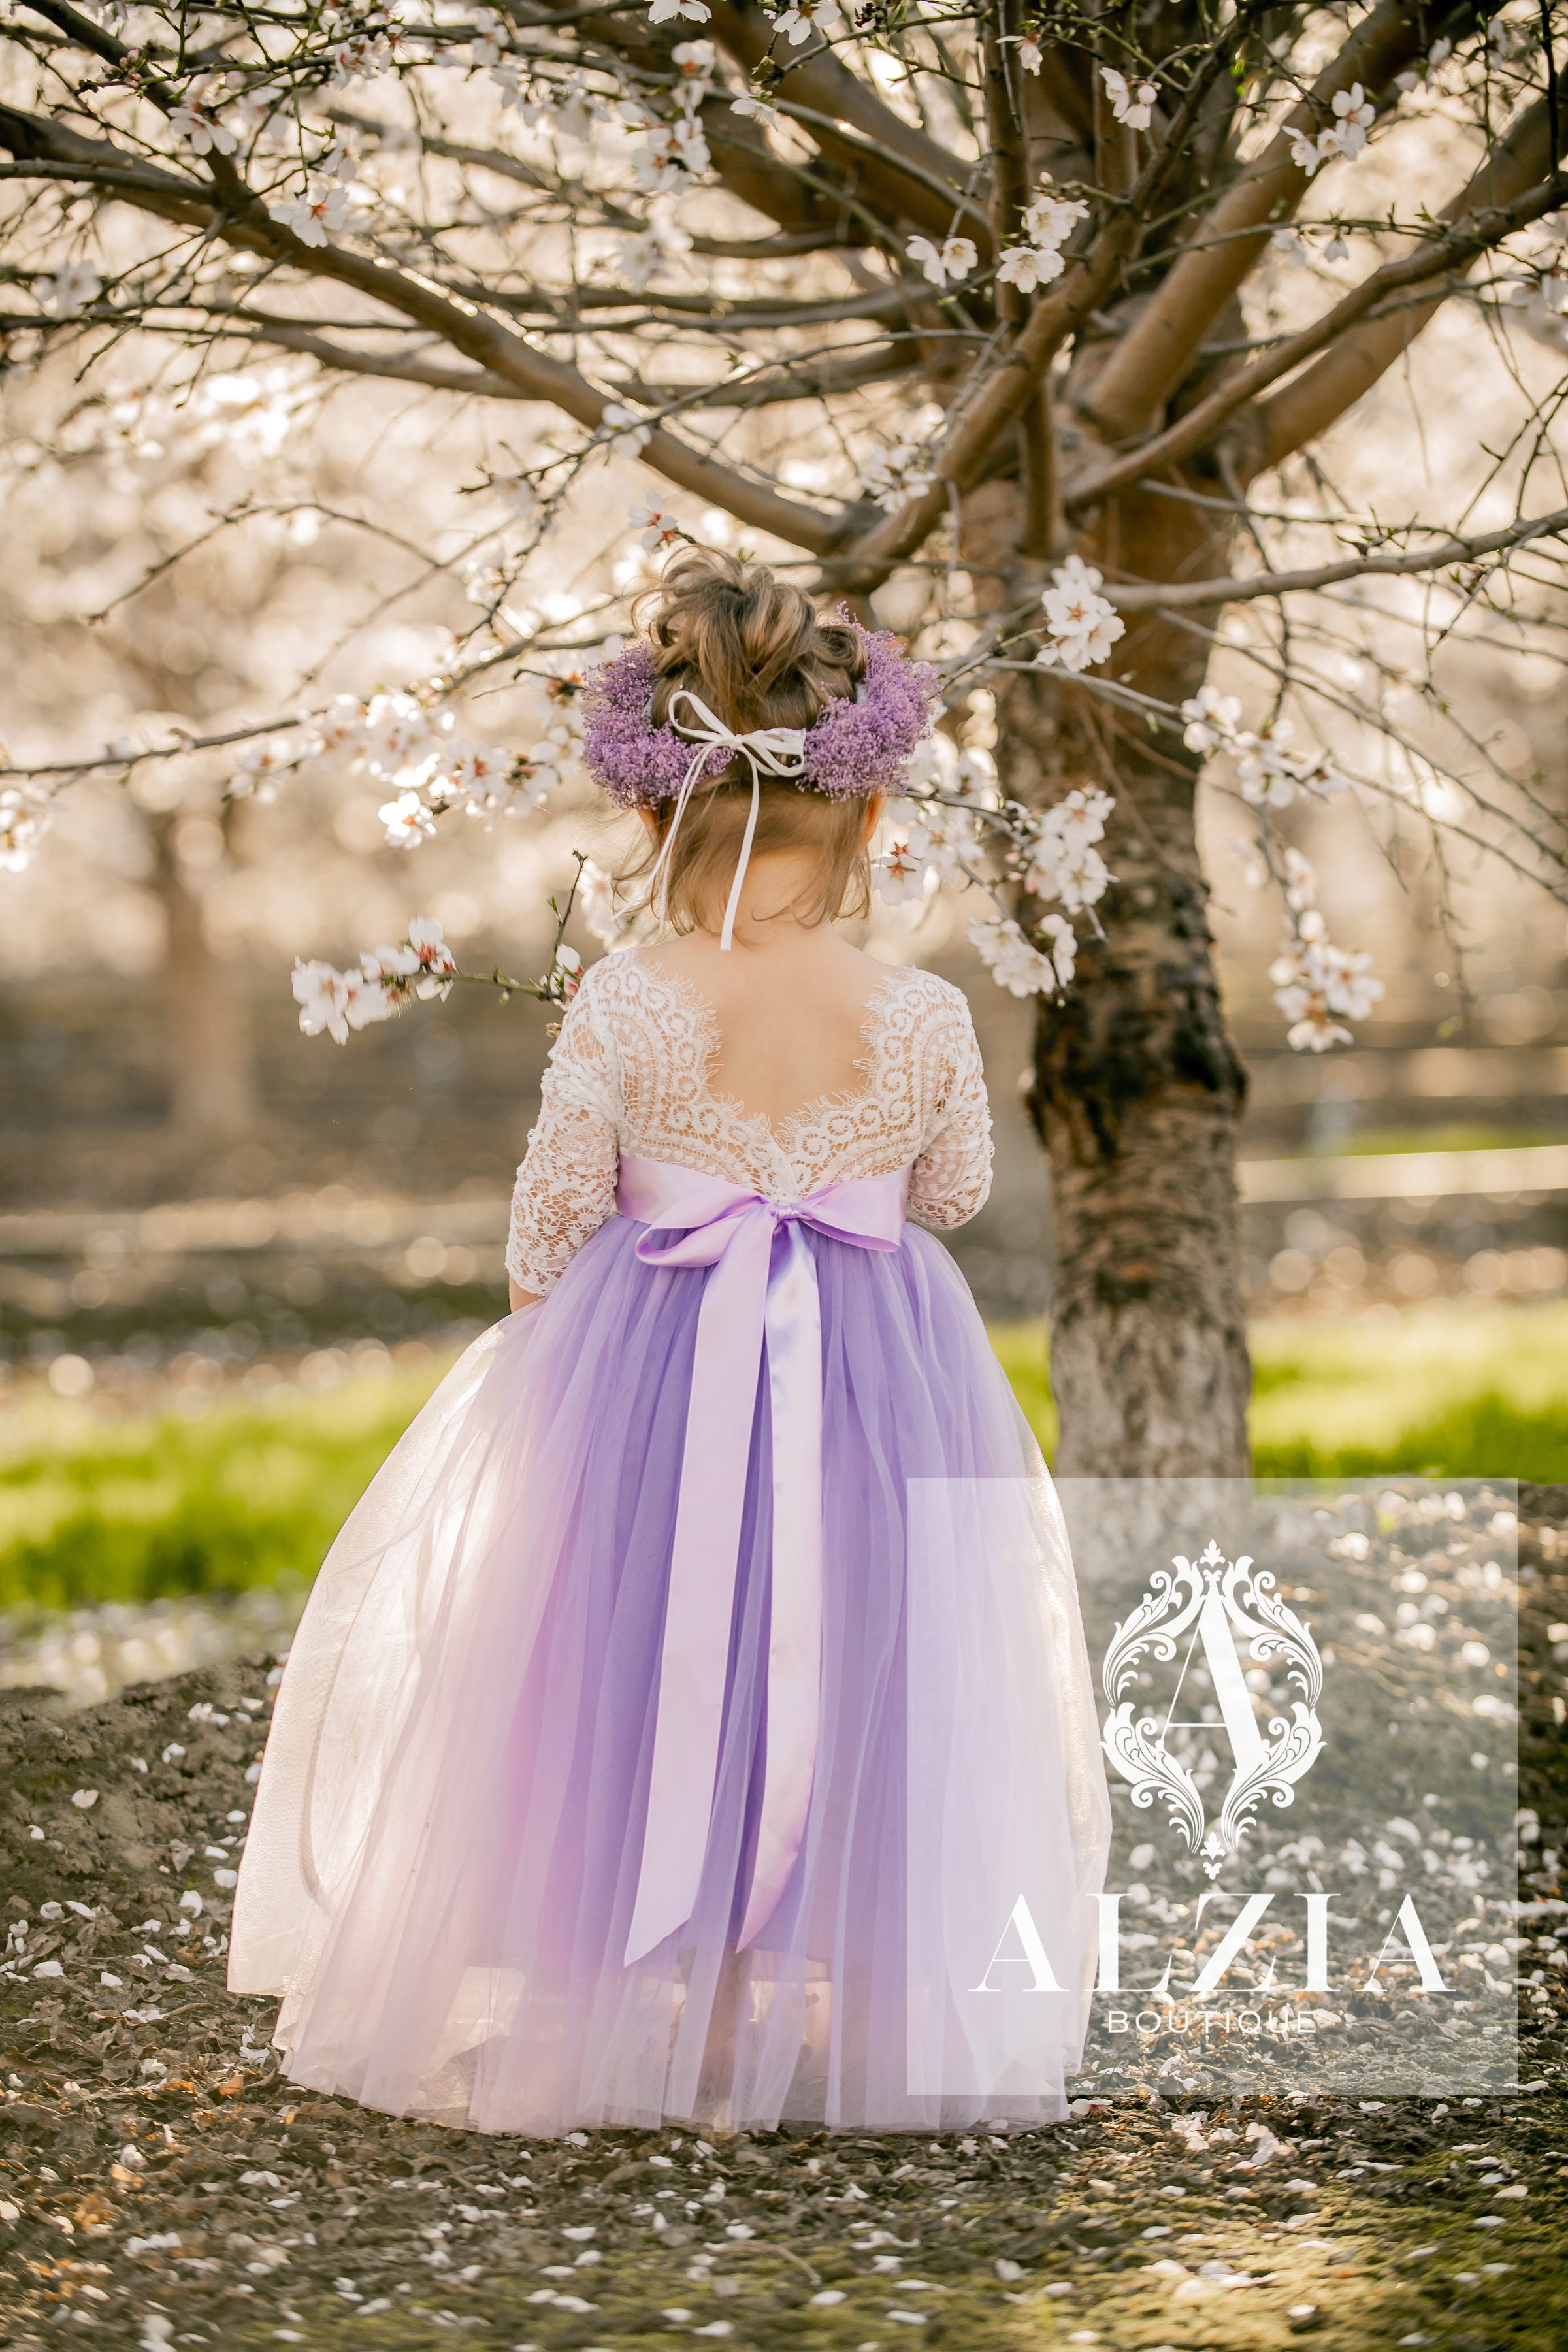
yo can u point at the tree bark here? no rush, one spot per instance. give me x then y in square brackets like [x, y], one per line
[1137, 1088]
[206, 1020]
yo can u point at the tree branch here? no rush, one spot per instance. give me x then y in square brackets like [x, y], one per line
[245, 222]
[1299, 411]
[1186, 594]
[995, 404]
[1200, 424]
[1157, 351]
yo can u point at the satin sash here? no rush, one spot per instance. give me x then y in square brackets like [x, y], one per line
[761, 1290]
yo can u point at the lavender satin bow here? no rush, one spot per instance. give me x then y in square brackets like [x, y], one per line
[762, 1287]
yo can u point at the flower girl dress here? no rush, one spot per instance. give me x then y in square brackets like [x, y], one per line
[692, 1720]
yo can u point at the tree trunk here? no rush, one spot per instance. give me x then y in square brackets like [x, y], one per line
[1137, 1088]
[206, 1021]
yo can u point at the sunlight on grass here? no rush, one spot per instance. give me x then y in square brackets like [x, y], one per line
[1454, 1390]
[94, 1510]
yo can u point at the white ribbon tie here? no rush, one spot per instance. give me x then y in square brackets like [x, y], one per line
[770, 750]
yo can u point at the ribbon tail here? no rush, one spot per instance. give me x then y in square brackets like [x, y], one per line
[727, 936]
[793, 1328]
[703, 1568]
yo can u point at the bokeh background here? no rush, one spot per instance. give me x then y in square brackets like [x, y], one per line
[233, 1259]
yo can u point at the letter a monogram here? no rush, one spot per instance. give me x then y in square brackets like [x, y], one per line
[1209, 1598]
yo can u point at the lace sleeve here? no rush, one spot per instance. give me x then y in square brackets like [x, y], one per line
[952, 1177]
[567, 1184]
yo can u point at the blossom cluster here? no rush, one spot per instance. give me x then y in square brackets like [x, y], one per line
[1268, 773]
[1314, 982]
[895, 474]
[414, 749]
[1048, 222]
[333, 1003]
[24, 820]
[1082, 625]
[1133, 107]
[1346, 135]
[675, 153]
[954, 805]
[337, 1001]
[950, 262]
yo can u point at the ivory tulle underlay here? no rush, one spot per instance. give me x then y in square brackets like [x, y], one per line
[443, 1864]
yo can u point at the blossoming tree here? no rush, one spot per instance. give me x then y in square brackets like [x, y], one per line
[1022, 329]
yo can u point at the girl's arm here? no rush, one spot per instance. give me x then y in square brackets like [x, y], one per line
[567, 1184]
[951, 1179]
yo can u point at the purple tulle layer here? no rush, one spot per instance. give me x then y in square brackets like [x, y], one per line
[442, 1865]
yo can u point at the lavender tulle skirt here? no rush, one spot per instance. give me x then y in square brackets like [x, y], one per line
[445, 1850]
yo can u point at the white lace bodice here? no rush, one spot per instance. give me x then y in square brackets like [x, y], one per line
[629, 1072]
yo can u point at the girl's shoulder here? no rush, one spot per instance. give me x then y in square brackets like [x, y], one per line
[918, 999]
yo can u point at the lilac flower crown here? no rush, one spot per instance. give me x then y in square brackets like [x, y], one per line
[855, 749]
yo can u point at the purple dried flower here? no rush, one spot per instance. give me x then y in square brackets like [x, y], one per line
[637, 763]
[858, 748]
[855, 749]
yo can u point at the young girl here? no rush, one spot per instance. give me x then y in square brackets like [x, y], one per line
[692, 1720]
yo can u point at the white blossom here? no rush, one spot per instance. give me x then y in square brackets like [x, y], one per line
[655, 525]
[1052, 219]
[801, 18]
[625, 428]
[328, 999]
[322, 206]
[891, 475]
[1413, 77]
[257, 763]
[1353, 117]
[23, 822]
[474, 773]
[72, 287]
[199, 130]
[954, 259]
[674, 154]
[1313, 981]
[757, 110]
[1212, 719]
[1030, 265]
[694, 61]
[1015, 963]
[489, 45]
[1081, 624]
[1031, 56]
[1065, 865]
[407, 821]
[690, 12]
[1135, 108]
[396, 735]
[900, 875]
[361, 58]
[1346, 135]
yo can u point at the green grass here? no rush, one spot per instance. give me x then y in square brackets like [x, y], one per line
[1454, 1392]
[94, 1510]
[1454, 1136]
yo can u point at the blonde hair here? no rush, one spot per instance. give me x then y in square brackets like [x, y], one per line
[754, 649]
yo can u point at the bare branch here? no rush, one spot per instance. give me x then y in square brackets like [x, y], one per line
[1475, 235]
[1299, 411]
[1157, 351]
[244, 222]
[1187, 594]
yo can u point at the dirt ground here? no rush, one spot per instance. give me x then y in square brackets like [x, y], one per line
[159, 2184]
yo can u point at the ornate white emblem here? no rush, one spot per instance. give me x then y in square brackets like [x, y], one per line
[1210, 1597]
